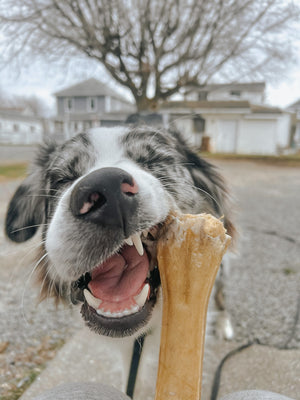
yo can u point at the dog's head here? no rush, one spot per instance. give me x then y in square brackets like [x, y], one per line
[100, 200]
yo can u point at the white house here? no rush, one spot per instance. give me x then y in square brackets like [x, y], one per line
[89, 104]
[19, 126]
[232, 126]
[252, 91]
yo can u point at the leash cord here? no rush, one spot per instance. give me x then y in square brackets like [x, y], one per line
[134, 365]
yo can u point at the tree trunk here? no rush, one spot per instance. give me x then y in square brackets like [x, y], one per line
[146, 104]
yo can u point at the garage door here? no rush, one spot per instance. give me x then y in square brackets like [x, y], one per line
[257, 137]
[227, 136]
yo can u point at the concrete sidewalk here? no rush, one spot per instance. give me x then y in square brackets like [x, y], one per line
[86, 358]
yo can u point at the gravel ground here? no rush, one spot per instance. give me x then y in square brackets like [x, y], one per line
[30, 333]
[262, 291]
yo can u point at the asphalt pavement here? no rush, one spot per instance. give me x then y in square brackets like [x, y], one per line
[262, 295]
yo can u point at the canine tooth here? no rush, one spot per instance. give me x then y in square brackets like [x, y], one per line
[138, 243]
[145, 232]
[141, 298]
[92, 301]
[129, 241]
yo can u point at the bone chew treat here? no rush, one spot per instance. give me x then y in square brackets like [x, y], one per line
[189, 254]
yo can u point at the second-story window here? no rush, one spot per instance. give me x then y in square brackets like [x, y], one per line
[91, 104]
[235, 93]
[69, 104]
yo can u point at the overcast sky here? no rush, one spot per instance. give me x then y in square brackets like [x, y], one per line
[44, 80]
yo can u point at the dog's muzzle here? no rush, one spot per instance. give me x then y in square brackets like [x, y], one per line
[107, 197]
[119, 293]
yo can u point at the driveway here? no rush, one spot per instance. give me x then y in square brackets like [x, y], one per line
[262, 289]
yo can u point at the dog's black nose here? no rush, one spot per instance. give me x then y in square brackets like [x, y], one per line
[107, 196]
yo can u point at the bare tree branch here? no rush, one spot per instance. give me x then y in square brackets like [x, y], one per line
[167, 44]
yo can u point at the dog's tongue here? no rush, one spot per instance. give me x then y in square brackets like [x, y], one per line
[121, 277]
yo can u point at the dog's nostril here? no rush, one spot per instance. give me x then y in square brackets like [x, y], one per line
[130, 189]
[95, 201]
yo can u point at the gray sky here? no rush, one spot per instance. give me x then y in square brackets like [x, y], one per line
[43, 79]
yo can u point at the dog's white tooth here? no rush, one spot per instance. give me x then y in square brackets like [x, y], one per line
[92, 301]
[145, 232]
[129, 241]
[138, 243]
[134, 309]
[141, 298]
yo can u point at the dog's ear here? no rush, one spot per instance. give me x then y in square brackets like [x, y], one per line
[26, 209]
[209, 182]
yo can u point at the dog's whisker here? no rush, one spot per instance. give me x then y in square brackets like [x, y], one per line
[209, 195]
[43, 195]
[29, 227]
[26, 283]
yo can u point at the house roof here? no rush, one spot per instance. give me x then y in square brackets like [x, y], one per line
[89, 87]
[80, 117]
[188, 105]
[294, 106]
[249, 86]
[16, 113]
[205, 104]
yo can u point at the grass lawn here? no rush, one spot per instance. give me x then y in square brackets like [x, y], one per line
[12, 171]
[288, 160]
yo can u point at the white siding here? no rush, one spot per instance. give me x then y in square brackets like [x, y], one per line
[283, 130]
[16, 131]
[185, 126]
[225, 95]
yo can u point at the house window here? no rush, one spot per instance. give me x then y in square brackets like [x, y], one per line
[91, 104]
[108, 107]
[32, 129]
[16, 127]
[69, 104]
[235, 93]
[202, 96]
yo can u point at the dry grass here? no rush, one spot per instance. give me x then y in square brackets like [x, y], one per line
[12, 171]
[290, 160]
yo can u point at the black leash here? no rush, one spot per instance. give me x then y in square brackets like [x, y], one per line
[134, 365]
[217, 377]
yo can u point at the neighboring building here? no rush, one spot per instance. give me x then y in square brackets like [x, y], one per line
[19, 126]
[232, 126]
[295, 108]
[252, 91]
[89, 104]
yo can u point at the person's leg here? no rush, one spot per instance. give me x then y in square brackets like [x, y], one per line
[82, 391]
[255, 395]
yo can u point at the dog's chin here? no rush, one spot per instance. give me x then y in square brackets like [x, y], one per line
[117, 327]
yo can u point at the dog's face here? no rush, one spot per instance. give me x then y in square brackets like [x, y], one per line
[100, 199]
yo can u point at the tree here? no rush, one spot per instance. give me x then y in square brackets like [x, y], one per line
[156, 47]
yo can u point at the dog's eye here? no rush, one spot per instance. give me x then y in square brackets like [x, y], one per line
[61, 181]
[64, 181]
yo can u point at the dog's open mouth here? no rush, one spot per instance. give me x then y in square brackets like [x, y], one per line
[119, 293]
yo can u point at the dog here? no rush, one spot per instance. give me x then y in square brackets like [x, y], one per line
[99, 200]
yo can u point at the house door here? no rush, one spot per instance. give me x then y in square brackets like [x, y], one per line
[227, 136]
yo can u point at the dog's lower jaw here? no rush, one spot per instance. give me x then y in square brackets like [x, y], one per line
[117, 327]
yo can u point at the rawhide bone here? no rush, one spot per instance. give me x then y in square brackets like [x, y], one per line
[190, 251]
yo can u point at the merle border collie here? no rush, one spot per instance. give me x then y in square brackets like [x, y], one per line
[100, 200]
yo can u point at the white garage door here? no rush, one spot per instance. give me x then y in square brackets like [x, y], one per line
[227, 136]
[257, 137]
